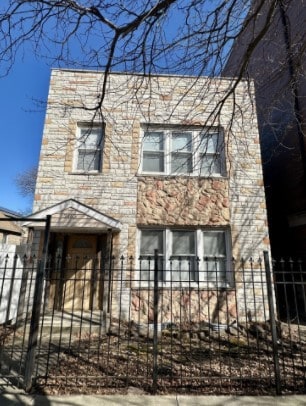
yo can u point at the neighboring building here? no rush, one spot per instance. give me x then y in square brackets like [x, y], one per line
[10, 231]
[278, 68]
[12, 256]
[161, 166]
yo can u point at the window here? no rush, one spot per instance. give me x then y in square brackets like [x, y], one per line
[183, 256]
[215, 259]
[210, 154]
[153, 152]
[183, 151]
[186, 256]
[89, 149]
[151, 240]
[82, 243]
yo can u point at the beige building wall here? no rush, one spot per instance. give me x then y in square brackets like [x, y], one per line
[236, 199]
[120, 190]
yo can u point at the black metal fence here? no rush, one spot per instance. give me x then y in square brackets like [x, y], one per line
[96, 325]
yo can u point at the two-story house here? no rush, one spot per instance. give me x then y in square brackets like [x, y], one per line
[167, 163]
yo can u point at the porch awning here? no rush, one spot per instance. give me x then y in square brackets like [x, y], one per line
[73, 216]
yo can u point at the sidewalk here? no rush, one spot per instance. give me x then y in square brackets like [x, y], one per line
[19, 398]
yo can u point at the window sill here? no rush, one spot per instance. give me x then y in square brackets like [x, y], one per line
[91, 173]
[184, 285]
[181, 175]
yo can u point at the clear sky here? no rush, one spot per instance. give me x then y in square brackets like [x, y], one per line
[22, 118]
[25, 88]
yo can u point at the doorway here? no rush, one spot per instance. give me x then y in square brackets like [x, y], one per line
[78, 282]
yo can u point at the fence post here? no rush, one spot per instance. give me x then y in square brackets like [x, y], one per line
[155, 322]
[9, 301]
[272, 323]
[37, 299]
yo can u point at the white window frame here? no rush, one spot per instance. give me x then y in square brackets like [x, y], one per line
[146, 257]
[201, 281]
[79, 140]
[196, 153]
[227, 258]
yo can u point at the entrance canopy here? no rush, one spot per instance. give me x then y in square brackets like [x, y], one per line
[73, 216]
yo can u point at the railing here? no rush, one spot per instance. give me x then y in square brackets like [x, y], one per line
[107, 323]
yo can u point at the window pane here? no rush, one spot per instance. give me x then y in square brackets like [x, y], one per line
[91, 138]
[151, 240]
[214, 243]
[153, 141]
[209, 143]
[146, 267]
[215, 269]
[153, 162]
[82, 243]
[181, 141]
[88, 160]
[181, 163]
[183, 243]
[89, 149]
[183, 269]
[210, 165]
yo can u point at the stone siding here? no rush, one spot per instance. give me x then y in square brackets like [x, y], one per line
[185, 306]
[183, 201]
[120, 190]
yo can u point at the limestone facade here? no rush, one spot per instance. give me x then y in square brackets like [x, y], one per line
[234, 200]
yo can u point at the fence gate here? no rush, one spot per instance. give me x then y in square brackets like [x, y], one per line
[21, 291]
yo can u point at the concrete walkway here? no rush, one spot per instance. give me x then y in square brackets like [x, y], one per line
[14, 398]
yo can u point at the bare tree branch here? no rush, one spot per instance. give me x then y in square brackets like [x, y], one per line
[148, 37]
[25, 182]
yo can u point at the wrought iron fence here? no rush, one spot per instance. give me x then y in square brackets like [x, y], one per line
[96, 324]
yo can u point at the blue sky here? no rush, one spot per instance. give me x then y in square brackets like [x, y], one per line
[26, 86]
[22, 121]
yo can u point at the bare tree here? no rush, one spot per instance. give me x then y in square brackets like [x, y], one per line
[154, 36]
[25, 182]
[184, 37]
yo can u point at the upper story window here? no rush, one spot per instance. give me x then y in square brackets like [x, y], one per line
[183, 151]
[185, 256]
[89, 148]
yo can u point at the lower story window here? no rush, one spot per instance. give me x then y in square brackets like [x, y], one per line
[215, 255]
[150, 241]
[187, 256]
[183, 256]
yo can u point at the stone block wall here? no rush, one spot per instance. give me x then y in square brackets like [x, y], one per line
[185, 306]
[182, 201]
[120, 190]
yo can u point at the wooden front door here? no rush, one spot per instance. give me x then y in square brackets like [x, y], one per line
[79, 273]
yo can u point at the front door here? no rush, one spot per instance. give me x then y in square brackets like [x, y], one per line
[79, 272]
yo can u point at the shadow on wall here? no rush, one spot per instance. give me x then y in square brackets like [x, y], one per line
[252, 235]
